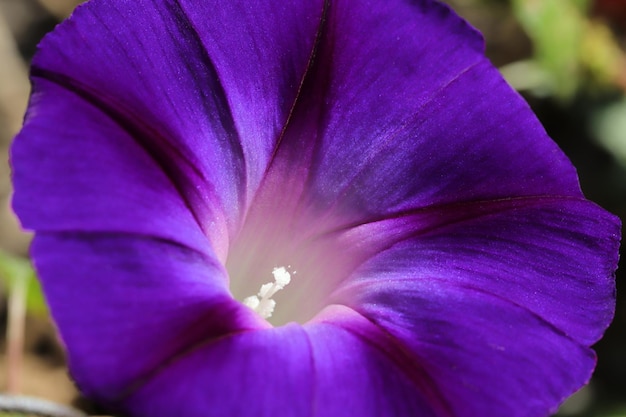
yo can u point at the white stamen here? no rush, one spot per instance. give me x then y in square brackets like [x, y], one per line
[266, 308]
[268, 290]
[252, 302]
[262, 303]
[281, 276]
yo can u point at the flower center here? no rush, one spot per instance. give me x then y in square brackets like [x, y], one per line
[283, 296]
[284, 229]
[323, 259]
[263, 303]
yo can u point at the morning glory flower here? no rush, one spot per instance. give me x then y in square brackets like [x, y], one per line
[304, 208]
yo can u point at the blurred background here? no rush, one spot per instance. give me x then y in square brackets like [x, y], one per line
[568, 59]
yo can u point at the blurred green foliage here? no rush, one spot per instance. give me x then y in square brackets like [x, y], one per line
[556, 28]
[12, 269]
[609, 124]
[571, 49]
[576, 55]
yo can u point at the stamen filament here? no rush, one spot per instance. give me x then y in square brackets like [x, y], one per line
[262, 303]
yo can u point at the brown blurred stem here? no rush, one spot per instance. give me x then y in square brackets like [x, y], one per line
[15, 335]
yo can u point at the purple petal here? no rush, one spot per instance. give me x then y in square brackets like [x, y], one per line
[261, 373]
[500, 308]
[323, 370]
[90, 175]
[448, 152]
[471, 344]
[261, 53]
[127, 305]
[402, 110]
[361, 371]
[180, 94]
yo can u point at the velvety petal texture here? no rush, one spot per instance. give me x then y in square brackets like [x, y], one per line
[148, 71]
[501, 299]
[271, 375]
[443, 261]
[395, 116]
[127, 306]
[87, 174]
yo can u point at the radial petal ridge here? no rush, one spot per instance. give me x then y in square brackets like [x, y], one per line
[457, 295]
[125, 305]
[272, 375]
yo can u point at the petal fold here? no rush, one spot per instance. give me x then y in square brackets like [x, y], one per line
[262, 373]
[91, 176]
[126, 305]
[383, 126]
[469, 342]
[208, 112]
[459, 295]
[361, 371]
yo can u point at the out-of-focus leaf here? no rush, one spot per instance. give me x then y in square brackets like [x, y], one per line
[556, 28]
[13, 268]
[35, 301]
[619, 412]
[528, 75]
[609, 129]
[601, 55]
[571, 49]
[579, 403]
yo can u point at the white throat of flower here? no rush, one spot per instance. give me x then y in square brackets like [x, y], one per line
[262, 303]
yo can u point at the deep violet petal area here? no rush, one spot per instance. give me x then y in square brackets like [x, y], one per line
[500, 309]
